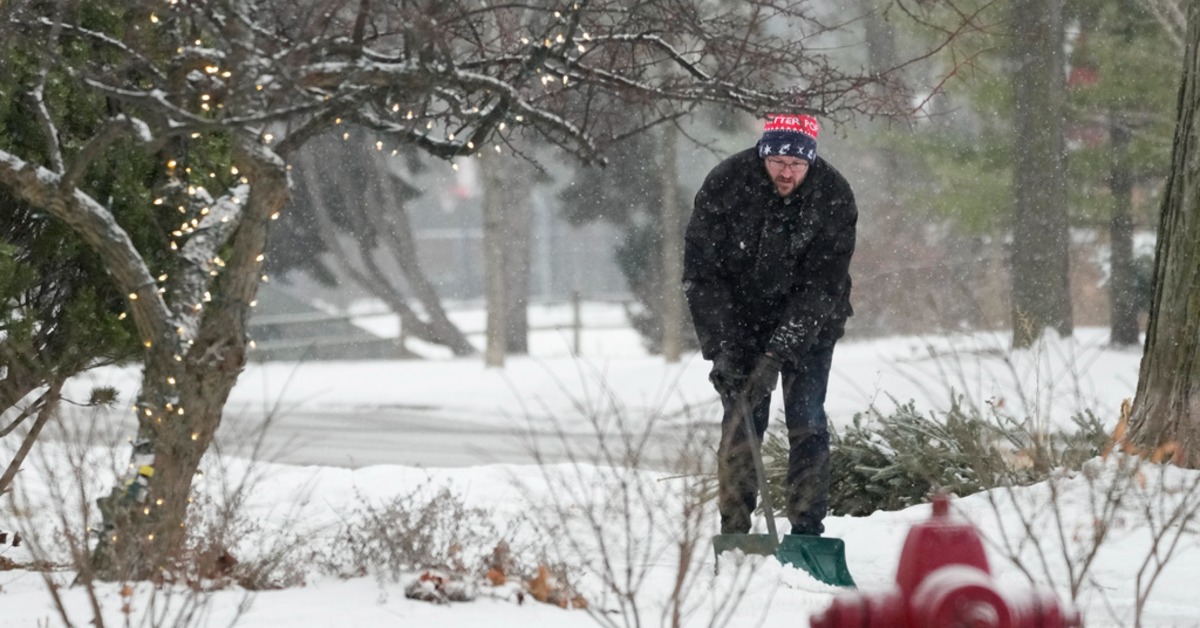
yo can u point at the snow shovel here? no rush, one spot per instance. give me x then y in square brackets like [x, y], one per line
[823, 558]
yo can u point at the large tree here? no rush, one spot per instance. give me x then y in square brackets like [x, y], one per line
[252, 81]
[1166, 409]
[1041, 296]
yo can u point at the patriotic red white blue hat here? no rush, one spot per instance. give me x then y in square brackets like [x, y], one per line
[790, 135]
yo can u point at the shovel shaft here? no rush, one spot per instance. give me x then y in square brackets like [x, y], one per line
[743, 407]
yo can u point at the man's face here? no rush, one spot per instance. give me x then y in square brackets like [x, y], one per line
[787, 173]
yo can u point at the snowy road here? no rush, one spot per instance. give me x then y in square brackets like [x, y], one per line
[425, 438]
[448, 413]
[356, 437]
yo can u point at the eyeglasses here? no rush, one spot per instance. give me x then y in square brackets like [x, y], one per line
[778, 164]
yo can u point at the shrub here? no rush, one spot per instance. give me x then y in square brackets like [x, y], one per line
[415, 531]
[892, 461]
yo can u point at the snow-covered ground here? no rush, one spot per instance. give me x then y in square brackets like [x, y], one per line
[352, 449]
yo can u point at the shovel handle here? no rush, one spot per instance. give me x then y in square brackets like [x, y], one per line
[743, 407]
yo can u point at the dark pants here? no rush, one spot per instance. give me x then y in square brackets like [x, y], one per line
[804, 386]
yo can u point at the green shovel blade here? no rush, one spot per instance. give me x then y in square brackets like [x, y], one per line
[822, 557]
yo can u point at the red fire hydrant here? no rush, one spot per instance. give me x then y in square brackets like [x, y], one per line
[943, 581]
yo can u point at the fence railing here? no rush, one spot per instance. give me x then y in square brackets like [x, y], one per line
[321, 335]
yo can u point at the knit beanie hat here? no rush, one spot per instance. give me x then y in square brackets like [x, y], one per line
[790, 135]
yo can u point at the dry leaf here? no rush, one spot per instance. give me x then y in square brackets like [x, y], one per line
[540, 587]
[548, 588]
[1119, 435]
[496, 577]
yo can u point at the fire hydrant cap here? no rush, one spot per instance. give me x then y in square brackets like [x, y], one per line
[941, 506]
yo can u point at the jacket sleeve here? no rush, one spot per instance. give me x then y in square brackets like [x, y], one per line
[825, 283]
[705, 282]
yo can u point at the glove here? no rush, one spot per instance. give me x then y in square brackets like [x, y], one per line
[763, 378]
[727, 375]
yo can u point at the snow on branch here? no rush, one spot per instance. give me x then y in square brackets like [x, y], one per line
[506, 101]
[105, 40]
[180, 121]
[658, 42]
[92, 222]
[577, 74]
[217, 222]
[201, 252]
[112, 130]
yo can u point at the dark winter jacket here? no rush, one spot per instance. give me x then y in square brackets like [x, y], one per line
[764, 272]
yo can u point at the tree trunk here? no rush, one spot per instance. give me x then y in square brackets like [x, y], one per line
[1166, 410]
[184, 389]
[518, 227]
[494, 261]
[672, 250]
[1040, 260]
[1123, 307]
[881, 58]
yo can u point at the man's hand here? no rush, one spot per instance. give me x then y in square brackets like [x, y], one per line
[728, 375]
[762, 379]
